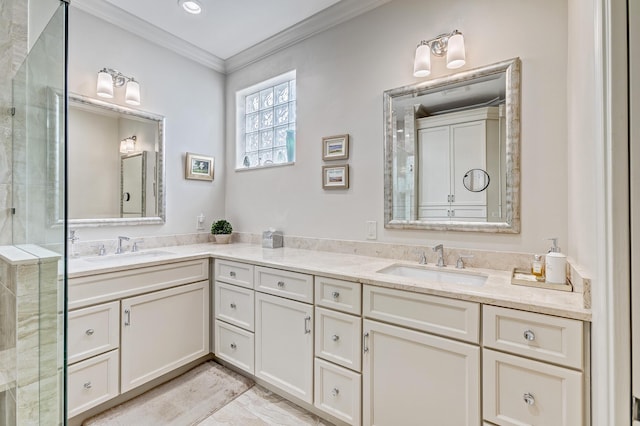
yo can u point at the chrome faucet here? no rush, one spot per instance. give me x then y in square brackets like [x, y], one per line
[440, 250]
[460, 262]
[120, 250]
[423, 259]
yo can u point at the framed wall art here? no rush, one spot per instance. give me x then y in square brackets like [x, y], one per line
[335, 177]
[198, 167]
[335, 147]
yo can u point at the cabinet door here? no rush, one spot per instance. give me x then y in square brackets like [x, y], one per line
[412, 378]
[162, 331]
[468, 141]
[284, 344]
[433, 171]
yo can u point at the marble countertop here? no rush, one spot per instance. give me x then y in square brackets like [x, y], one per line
[497, 289]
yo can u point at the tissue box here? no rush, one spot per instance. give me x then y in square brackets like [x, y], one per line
[272, 239]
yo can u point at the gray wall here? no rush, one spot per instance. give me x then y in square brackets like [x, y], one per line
[189, 95]
[341, 75]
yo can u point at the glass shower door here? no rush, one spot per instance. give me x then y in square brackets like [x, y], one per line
[38, 185]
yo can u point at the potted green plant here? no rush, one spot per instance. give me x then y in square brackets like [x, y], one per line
[221, 230]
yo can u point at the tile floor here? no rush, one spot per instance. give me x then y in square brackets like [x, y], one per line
[260, 407]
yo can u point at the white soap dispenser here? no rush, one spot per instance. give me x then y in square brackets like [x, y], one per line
[555, 265]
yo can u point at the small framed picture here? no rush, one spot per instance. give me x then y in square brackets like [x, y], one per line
[335, 147]
[198, 167]
[335, 177]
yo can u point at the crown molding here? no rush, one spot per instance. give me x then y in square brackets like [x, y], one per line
[321, 21]
[120, 18]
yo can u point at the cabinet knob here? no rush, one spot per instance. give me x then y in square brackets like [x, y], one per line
[529, 335]
[335, 392]
[87, 385]
[280, 284]
[89, 332]
[232, 274]
[233, 346]
[233, 306]
[529, 399]
[335, 337]
[335, 295]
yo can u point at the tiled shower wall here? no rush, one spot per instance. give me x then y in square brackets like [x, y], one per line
[13, 50]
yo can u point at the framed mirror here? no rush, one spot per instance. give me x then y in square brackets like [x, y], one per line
[452, 152]
[115, 164]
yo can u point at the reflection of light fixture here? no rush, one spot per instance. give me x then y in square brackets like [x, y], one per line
[128, 145]
[452, 44]
[191, 6]
[108, 78]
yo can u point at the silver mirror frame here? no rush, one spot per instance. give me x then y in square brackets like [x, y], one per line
[511, 68]
[56, 155]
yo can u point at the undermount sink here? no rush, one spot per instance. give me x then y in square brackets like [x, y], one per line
[129, 255]
[441, 276]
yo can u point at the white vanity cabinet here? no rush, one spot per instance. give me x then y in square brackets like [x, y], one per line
[412, 377]
[284, 330]
[449, 145]
[234, 311]
[338, 348]
[162, 331]
[93, 336]
[131, 326]
[533, 369]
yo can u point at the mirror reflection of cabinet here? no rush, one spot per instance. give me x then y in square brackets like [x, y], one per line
[449, 145]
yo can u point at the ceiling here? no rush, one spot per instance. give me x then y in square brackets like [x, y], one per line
[228, 34]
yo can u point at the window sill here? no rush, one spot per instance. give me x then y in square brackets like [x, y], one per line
[268, 166]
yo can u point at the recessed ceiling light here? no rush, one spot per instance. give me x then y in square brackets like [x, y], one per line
[191, 6]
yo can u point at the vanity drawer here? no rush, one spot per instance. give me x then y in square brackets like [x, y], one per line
[345, 296]
[235, 346]
[92, 382]
[338, 338]
[99, 288]
[518, 391]
[92, 331]
[337, 391]
[234, 305]
[234, 273]
[439, 315]
[291, 285]
[544, 337]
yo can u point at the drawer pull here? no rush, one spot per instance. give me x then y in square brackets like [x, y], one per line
[529, 399]
[335, 337]
[335, 295]
[233, 306]
[335, 392]
[365, 348]
[127, 313]
[87, 385]
[89, 332]
[529, 336]
[307, 320]
[280, 284]
[232, 274]
[233, 346]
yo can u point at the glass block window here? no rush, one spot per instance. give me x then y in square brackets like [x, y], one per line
[266, 131]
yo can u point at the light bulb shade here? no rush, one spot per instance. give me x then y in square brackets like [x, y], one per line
[132, 93]
[130, 143]
[123, 146]
[455, 51]
[422, 62]
[104, 88]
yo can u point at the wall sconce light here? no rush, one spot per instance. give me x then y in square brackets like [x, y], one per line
[128, 145]
[109, 78]
[451, 44]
